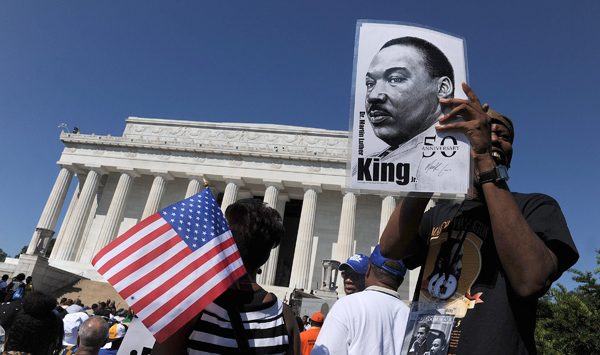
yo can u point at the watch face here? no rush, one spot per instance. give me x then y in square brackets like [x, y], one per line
[502, 173]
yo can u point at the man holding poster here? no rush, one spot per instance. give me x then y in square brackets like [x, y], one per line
[395, 145]
[488, 259]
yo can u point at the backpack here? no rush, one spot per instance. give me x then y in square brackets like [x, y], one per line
[18, 295]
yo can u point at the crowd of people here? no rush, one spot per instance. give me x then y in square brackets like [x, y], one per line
[16, 289]
[37, 324]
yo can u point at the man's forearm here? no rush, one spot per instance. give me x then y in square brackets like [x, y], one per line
[530, 266]
[398, 240]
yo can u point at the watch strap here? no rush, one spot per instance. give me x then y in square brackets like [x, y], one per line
[498, 173]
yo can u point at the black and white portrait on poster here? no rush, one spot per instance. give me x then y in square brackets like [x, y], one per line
[400, 74]
[428, 333]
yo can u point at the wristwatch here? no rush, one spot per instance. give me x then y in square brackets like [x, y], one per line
[497, 174]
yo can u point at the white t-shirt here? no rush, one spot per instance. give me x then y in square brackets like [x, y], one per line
[369, 322]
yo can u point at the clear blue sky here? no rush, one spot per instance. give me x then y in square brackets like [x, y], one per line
[91, 64]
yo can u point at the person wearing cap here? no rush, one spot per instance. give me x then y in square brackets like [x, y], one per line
[308, 337]
[72, 322]
[372, 321]
[116, 334]
[510, 246]
[353, 273]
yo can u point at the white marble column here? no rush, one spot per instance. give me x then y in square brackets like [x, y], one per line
[195, 185]
[304, 241]
[345, 242]
[231, 191]
[156, 193]
[271, 198]
[53, 205]
[86, 231]
[388, 205]
[270, 269]
[60, 240]
[114, 216]
[73, 233]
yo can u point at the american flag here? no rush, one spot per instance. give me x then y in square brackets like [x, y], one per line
[173, 264]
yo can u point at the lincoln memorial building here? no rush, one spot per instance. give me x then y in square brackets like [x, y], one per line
[302, 172]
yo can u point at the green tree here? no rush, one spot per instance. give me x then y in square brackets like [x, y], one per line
[3, 255]
[23, 251]
[568, 322]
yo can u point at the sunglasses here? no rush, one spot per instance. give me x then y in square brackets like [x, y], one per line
[352, 276]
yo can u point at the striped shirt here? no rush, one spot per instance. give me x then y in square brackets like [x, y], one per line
[264, 330]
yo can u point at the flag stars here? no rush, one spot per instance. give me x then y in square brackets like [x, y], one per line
[203, 229]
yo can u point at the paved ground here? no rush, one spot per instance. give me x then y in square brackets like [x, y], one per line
[91, 292]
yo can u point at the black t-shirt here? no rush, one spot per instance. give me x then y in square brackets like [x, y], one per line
[491, 318]
[8, 311]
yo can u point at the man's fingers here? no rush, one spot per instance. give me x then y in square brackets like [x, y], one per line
[486, 107]
[470, 94]
[454, 102]
[457, 111]
[450, 126]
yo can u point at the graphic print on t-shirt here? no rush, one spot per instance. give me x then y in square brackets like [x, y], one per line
[459, 256]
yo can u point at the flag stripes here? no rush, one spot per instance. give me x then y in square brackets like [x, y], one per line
[174, 263]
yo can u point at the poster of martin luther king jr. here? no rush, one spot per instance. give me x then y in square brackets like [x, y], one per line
[400, 74]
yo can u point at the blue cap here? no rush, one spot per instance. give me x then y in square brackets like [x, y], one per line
[358, 262]
[379, 260]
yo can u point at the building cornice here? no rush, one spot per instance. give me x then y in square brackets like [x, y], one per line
[233, 139]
